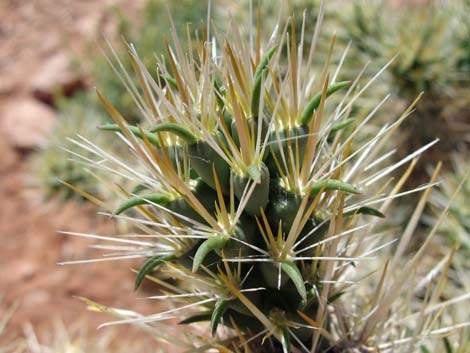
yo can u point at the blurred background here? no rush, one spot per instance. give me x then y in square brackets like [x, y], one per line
[52, 55]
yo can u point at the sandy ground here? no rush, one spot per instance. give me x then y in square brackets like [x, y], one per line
[38, 41]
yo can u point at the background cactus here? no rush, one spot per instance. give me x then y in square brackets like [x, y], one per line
[426, 44]
[53, 164]
[456, 226]
[254, 206]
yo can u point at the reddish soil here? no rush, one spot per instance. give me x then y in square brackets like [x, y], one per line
[37, 41]
[31, 248]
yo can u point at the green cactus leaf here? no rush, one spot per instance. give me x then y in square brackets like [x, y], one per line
[150, 265]
[294, 274]
[160, 199]
[255, 98]
[219, 310]
[171, 81]
[217, 242]
[135, 131]
[365, 210]
[257, 78]
[204, 316]
[264, 62]
[180, 131]
[338, 125]
[307, 113]
[332, 184]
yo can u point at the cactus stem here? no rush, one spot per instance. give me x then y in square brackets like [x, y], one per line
[307, 113]
[158, 198]
[134, 129]
[176, 129]
[332, 184]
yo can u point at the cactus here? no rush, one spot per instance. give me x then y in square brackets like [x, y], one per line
[429, 46]
[253, 205]
[456, 226]
[421, 37]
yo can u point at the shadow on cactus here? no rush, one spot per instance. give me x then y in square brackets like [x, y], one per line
[251, 202]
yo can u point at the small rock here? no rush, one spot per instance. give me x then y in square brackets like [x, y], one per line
[25, 122]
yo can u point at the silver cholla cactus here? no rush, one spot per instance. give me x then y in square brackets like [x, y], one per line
[253, 198]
